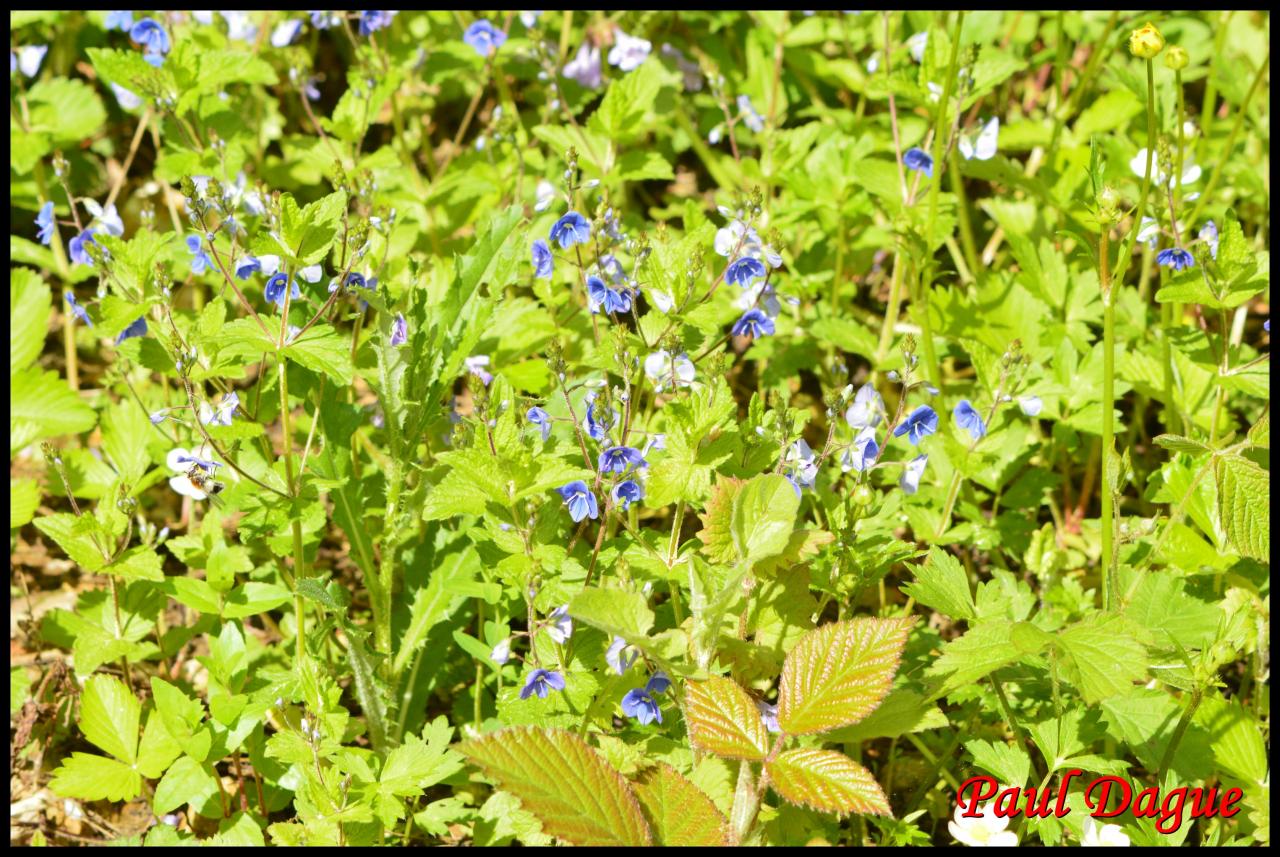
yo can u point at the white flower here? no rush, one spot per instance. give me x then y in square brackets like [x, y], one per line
[662, 300]
[628, 51]
[311, 273]
[108, 218]
[667, 370]
[529, 18]
[285, 32]
[1106, 835]
[805, 462]
[1030, 405]
[502, 652]
[1149, 230]
[620, 656]
[561, 626]
[1190, 171]
[128, 100]
[239, 27]
[985, 829]
[585, 66]
[866, 408]
[873, 64]
[544, 195]
[917, 44]
[984, 146]
[180, 460]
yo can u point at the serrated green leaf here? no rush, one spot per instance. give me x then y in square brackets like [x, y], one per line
[617, 612]
[838, 673]
[41, 405]
[109, 717]
[1010, 765]
[943, 584]
[983, 650]
[764, 517]
[1103, 657]
[88, 777]
[1177, 443]
[1247, 522]
[186, 782]
[29, 306]
[722, 719]
[323, 349]
[826, 781]
[572, 790]
[680, 813]
[24, 498]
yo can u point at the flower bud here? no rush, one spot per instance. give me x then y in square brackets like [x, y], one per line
[1176, 58]
[1146, 42]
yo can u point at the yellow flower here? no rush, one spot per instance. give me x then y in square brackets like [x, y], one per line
[1146, 42]
[1176, 58]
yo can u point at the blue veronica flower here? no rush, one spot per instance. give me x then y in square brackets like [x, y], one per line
[1209, 235]
[325, 20]
[483, 37]
[863, 453]
[399, 331]
[274, 290]
[754, 323]
[620, 459]
[371, 21]
[910, 480]
[183, 458]
[561, 624]
[75, 247]
[917, 159]
[597, 429]
[138, 328]
[541, 419]
[77, 310]
[743, 271]
[918, 425]
[200, 261]
[152, 37]
[571, 229]
[641, 706]
[1176, 258]
[541, 682]
[795, 486]
[627, 492]
[246, 266]
[866, 408]
[1030, 405]
[769, 714]
[659, 682]
[119, 21]
[581, 502]
[285, 32]
[1266, 325]
[620, 656]
[970, 420]
[28, 59]
[543, 261]
[611, 300]
[222, 414]
[45, 221]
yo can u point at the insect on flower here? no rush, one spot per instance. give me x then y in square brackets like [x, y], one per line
[201, 478]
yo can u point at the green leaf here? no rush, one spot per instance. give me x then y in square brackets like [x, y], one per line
[722, 719]
[24, 498]
[88, 777]
[615, 611]
[434, 603]
[716, 534]
[1245, 514]
[139, 563]
[41, 405]
[567, 784]
[412, 767]
[109, 717]
[826, 781]
[838, 673]
[643, 165]
[66, 109]
[309, 232]
[941, 583]
[679, 812]
[186, 782]
[1103, 657]
[764, 516]
[323, 349]
[980, 652]
[620, 115]
[180, 714]
[903, 712]
[1010, 765]
[1236, 736]
[29, 307]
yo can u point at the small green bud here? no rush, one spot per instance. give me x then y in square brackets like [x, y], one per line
[1176, 58]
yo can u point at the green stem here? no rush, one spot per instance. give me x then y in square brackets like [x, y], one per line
[939, 141]
[891, 313]
[1108, 411]
[1126, 253]
[1179, 731]
[1231, 142]
[1211, 84]
[962, 209]
[299, 555]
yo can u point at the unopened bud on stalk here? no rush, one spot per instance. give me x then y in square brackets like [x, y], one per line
[1176, 58]
[1146, 42]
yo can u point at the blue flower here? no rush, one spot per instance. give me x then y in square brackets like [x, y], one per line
[658, 683]
[1176, 258]
[910, 480]
[371, 21]
[541, 419]
[77, 310]
[399, 331]
[138, 328]
[44, 220]
[970, 420]
[153, 39]
[585, 67]
[561, 625]
[597, 429]
[285, 32]
[581, 502]
[475, 365]
[75, 247]
[325, 20]
[863, 453]
[200, 261]
[274, 290]
[483, 37]
[918, 159]
[918, 425]
[28, 59]
[223, 413]
[743, 271]
[119, 21]
[1030, 405]
[541, 682]
[1209, 235]
[543, 261]
[620, 656]
[754, 323]
[641, 706]
[866, 408]
[620, 459]
[769, 714]
[247, 266]
[571, 229]
[612, 300]
[627, 492]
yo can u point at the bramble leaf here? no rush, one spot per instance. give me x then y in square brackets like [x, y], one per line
[723, 720]
[679, 812]
[826, 781]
